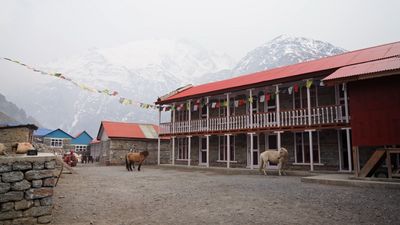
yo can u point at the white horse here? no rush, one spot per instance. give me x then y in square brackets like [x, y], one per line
[279, 157]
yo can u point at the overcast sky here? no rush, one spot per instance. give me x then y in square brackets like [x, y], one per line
[41, 31]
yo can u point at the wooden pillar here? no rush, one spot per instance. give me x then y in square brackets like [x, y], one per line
[251, 108]
[251, 150]
[348, 148]
[208, 150]
[173, 119]
[190, 116]
[310, 131]
[173, 150]
[227, 111]
[159, 140]
[208, 115]
[189, 148]
[388, 164]
[356, 161]
[228, 150]
[278, 108]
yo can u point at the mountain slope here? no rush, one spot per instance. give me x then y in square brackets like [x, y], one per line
[10, 113]
[140, 71]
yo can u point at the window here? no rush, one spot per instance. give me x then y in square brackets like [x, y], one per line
[223, 154]
[56, 142]
[203, 143]
[302, 147]
[80, 148]
[182, 148]
[203, 111]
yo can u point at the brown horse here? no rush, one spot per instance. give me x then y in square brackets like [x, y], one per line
[132, 157]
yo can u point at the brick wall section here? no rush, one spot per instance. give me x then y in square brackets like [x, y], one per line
[10, 136]
[26, 189]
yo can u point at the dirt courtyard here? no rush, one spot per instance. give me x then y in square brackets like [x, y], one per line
[112, 195]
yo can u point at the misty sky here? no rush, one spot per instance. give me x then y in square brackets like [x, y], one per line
[41, 31]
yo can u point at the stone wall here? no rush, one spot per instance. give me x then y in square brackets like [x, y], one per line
[13, 135]
[26, 189]
[113, 152]
[66, 148]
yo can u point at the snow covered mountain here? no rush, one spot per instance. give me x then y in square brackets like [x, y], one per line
[144, 70]
[281, 51]
[284, 50]
[141, 71]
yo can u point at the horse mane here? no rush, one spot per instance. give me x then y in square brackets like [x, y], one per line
[144, 153]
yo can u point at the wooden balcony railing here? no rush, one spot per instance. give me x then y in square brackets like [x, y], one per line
[324, 115]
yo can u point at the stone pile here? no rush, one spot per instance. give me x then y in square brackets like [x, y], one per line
[26, 189]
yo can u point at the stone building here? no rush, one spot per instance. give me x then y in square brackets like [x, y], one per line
[12, 134]
[229, 123]
[115, 139]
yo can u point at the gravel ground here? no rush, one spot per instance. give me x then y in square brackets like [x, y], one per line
[112, 195]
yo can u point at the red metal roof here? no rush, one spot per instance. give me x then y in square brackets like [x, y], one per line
[332, 62]
[365, 70]
[128, 130]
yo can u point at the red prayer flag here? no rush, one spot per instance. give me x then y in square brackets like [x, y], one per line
[296, 88]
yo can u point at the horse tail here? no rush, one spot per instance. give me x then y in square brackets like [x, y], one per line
[126, 161]
[261, 163]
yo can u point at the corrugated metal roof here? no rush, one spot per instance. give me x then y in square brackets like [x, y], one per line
[365, 70]
[129, 130]
[332, 62]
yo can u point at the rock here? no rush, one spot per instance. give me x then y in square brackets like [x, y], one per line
[23, 204]
[37, 183]
[21, 185]
[12, 176]
[37, 202]
[7, 206]
[49, 182]
[4, 187]
[46, 201]
[35, 193]
[50, 164]
[38, 211]
[5, 168]
[6, 222]
[38, 165]
[12, 196]
[45, 219]
[22, 166]
[24, 221]
[10, 215]
[38, 174]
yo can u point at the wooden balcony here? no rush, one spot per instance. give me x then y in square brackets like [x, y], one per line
[323, 117]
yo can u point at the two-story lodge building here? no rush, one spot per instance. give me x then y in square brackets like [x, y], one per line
[230, 122]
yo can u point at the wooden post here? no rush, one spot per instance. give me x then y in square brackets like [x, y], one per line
[356, 161]
[388, 164]
[208, 150]
[251, 150]
[159, 141]
[311, 151]
[349, 148]
[227, 111]
[189, 148]
[173, 150]
[208, 115]
[251, 108]
[190, 116]
[228, 150]
[278, 107]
